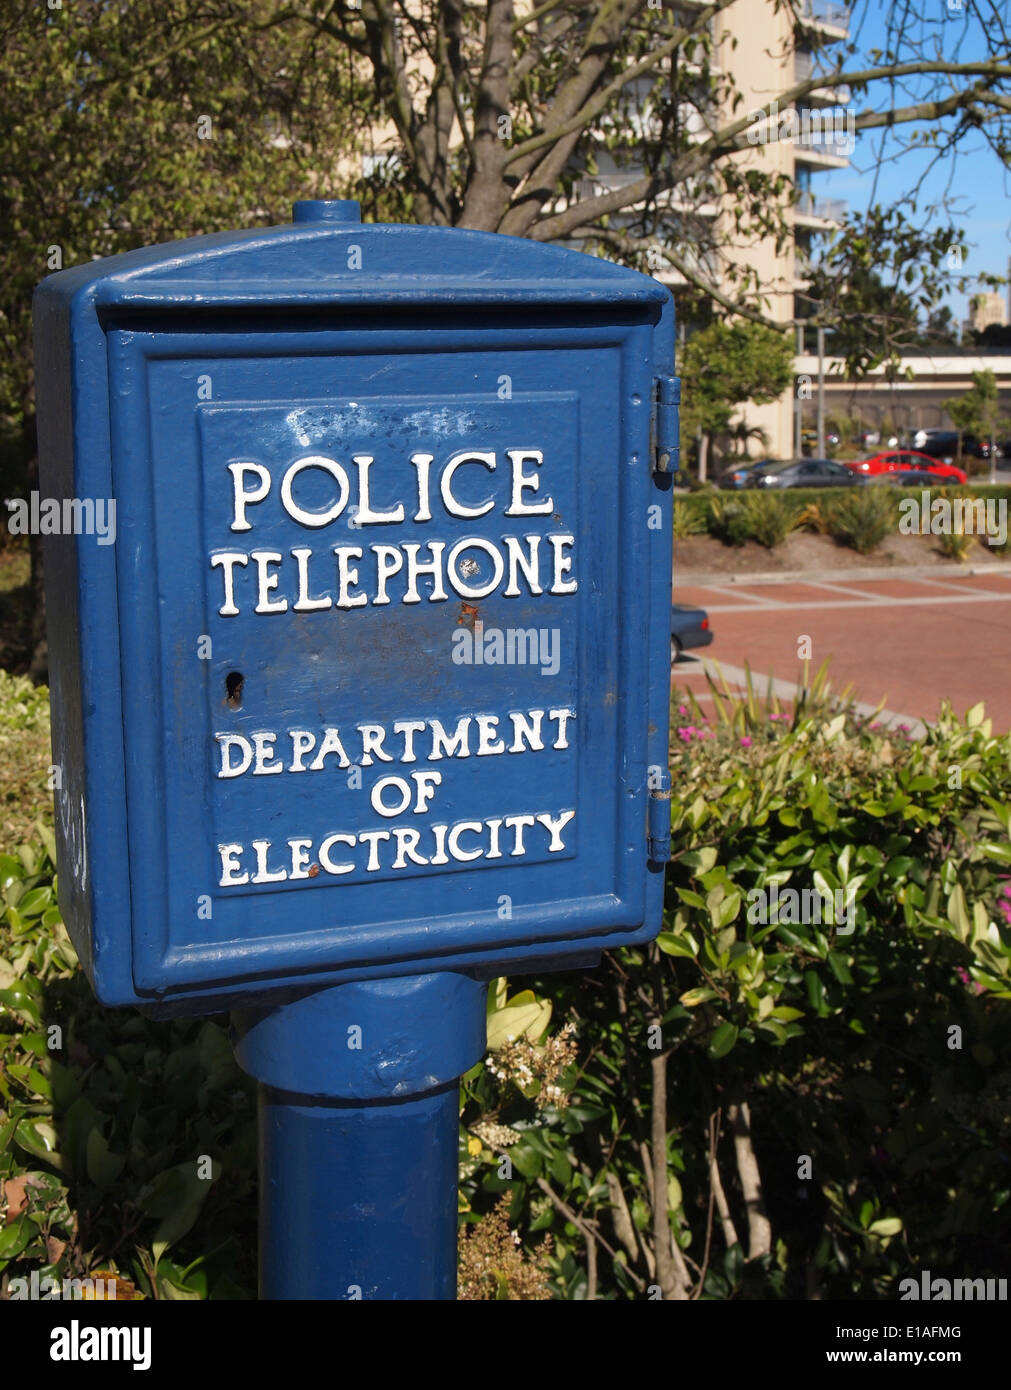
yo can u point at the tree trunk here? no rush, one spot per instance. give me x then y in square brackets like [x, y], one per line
[759, 1229]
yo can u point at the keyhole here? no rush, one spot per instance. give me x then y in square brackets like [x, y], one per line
[233, 689]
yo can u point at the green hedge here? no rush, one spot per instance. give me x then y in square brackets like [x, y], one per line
[857, 518]
[850, 1086]
[847, 1089]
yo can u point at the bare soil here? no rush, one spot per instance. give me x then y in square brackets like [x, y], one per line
[804, 551]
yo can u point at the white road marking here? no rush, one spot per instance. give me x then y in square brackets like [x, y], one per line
[844, 589]
[948, 585]
[979, 596]
[758, 600]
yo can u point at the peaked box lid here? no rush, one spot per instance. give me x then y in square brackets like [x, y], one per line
[312, 263]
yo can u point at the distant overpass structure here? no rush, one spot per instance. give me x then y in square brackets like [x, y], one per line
[913, 403]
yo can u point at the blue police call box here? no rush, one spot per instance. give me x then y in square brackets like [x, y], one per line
[361, 695]
[374, 680]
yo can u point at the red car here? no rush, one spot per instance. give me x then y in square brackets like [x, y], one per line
[898, 461]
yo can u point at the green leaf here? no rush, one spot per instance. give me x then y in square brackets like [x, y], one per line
[1002, 853]
[38, 1138]
[683, 945]
[839, 968]
[691, 898]
[175, 1293]
[726, 939]
[6, 1133]
[518, 1021]
[11, 870]
[35, 902]
[777, 1029]
[958, 913]
[843, 865]
[525, 1159]
[20, 1001]
[103, 1166]
[32, 1080]
[561, 1170]
[887, 1226]
[693, 997]
[702, 860]
[15, 1237]
[815, 990]
[729, 908]
[723, 1040]
[176, 1196]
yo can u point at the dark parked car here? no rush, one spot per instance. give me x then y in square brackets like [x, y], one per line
[737, 477]
[689, 627]
[803, 473]
[943, 444]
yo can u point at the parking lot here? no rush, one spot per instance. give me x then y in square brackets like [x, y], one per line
[909, 640]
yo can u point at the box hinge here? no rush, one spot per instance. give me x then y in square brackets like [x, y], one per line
[658, 817]
[666, 424]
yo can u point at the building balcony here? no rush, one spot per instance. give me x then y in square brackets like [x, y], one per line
[820, 214]
[830, 19]
[597, 185]
[823, 149]
[804, 68]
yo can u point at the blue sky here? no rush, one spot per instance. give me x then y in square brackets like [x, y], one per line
[975, 178]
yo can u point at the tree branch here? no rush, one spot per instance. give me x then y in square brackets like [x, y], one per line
[605, 96]
[486, 194]
[732, 138]
[730, 1235]
[714, 1134]
[587, 1229]
[674, 1282]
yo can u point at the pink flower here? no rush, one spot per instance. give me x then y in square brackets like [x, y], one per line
[682, 709]
[745, 742]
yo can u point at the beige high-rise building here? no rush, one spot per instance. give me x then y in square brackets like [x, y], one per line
[770, 57]
[765, 54]
[985, 309]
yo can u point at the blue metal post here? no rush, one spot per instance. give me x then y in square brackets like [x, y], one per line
[358, 1135]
